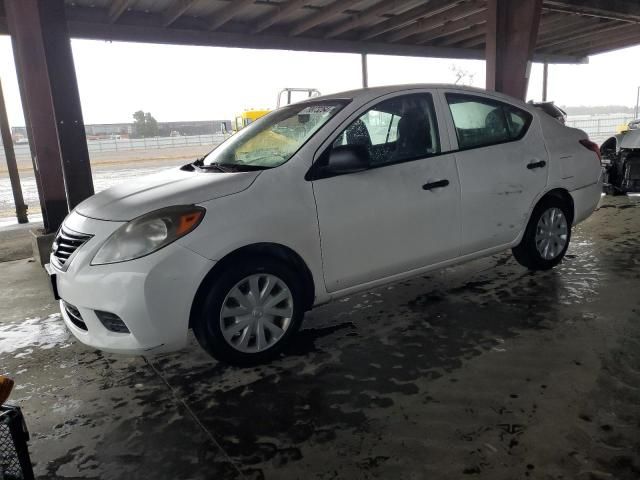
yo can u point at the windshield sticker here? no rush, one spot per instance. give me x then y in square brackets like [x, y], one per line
[318, 109]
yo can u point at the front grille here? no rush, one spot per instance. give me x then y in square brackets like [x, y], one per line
[65, 244]
[74, 315]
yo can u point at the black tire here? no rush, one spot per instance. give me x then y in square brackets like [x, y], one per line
[526, 253]
[608, 189]
[206, 324]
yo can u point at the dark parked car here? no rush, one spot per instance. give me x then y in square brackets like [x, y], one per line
[621, 161]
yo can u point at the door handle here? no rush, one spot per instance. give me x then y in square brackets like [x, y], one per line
[437, 184]
[539, 164]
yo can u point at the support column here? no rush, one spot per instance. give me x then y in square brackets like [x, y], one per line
[545, 80]
[44, 63]
[12, 167]
[365, 71]
[512, 31]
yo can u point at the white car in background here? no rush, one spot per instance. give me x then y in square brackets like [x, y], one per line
[313, 202]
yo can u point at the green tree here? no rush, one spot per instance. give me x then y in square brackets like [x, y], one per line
[151, 124]
[144, 125]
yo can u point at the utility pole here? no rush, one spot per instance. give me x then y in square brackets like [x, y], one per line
[545, 80]
[365, 71]
[12, 167]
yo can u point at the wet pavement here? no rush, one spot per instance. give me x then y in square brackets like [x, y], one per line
[479, 371]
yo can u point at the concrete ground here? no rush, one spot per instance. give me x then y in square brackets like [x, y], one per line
[479, 371]
[15, 241]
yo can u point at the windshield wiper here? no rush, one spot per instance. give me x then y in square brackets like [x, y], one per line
[223, 167]
[213, 166]
[243, 167]
[190, 167]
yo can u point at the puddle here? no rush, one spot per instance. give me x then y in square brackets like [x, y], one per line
[34, 333]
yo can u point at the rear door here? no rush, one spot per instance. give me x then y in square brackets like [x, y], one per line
[502, 162]
[403, 212]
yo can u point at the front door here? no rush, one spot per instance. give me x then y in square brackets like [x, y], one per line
[403, 212]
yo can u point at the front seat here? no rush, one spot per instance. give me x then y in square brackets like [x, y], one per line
[357, 134]
[414, 135]
[496, 125]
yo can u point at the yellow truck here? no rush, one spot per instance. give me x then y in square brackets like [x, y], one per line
[249, 116]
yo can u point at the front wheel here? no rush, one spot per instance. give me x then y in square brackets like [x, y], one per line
[251, 313]
[546, 237]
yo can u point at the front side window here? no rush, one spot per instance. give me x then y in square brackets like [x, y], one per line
[482, 121]
[395, 130]
[273, 139]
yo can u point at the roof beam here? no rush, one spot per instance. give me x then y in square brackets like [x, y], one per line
[117, 8]
[570, 27]
[226, 13]
[431, 8]
[90, 23]
[429, 23]
[550, 22]
[629, 32]
[451, 27]
[463, 35]
[475, 42]
[283, 12]
[586, 34]
[630, 42]
[564, 34]
[176, 10]
[622, 10]
[361, 18]
[567, 26]
[321, 16]
[607, 46]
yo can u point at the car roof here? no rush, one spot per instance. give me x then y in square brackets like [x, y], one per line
[370, 93]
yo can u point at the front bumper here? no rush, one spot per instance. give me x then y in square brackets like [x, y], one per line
[152, 295]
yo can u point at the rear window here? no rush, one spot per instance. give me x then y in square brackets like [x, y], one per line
[481, 122]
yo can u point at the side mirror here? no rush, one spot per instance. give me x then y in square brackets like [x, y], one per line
[348, 159]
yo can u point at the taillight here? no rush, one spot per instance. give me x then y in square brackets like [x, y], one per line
[589, 145]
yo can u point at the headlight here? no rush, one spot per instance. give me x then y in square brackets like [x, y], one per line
[148, 233]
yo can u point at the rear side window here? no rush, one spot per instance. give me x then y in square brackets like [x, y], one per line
[480, 122]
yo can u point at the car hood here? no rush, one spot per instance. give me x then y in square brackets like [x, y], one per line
[630, 139]
[171, 187]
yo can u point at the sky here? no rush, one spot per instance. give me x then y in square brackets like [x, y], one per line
[206, 83]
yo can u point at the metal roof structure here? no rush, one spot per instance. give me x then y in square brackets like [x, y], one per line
[570, 30]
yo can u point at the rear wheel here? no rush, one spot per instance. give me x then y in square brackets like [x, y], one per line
[547, 235]
[251, 313]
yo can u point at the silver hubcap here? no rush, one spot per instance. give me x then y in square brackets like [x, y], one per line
[256, 313]
[551, 233]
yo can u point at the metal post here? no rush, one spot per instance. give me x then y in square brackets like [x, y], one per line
[365, 71]
[635, 116]
[545, 79]
[25, 25]
[66, 102]
[12, 167]
[512, 30]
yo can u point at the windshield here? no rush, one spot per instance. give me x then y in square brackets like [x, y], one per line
[274, 138]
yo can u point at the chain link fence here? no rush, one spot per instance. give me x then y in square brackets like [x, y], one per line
[131, 144]
[599, 128]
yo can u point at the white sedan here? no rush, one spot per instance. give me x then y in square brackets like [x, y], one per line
[313, 202]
